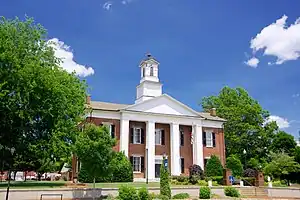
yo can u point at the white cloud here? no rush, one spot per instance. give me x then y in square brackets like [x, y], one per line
[62, 51]
[279, 40]
[281, 122]
[296, 95]
[126, 1]
[252, 62]
[107, 5]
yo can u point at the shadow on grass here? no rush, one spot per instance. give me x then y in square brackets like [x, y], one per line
[33, 184]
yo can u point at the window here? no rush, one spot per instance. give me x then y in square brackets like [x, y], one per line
[181, 137]
[111, 128]
[151, 71]
[137, 163]
[137, 136]
[209, 139]
[159, 137]
[143, 72]
[182, 165]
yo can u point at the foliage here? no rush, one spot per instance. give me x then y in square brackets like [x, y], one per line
[181, 196]
[231, 192]
[213, 167]
[164, 181]
[180, 178]
[283, 142]
[162, 197]
[94, 149]
[245, 120]
[249, 173]
[253, 163]
[297, 154]
[204, 193]
[143, 193]
[234, 164]
[218, 179]
[195, 174]
[121, 168]
[202, 183]
[249, 181]
[40, 103]
[127, 192]
[281, 166]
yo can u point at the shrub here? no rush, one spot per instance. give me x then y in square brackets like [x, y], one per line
[248, 181]
[214, 167]
[249, 173]
[164, 181]
[196, 173]
[202, 183]
[162, 197]
[128, 193]
[121, 168]
[231, 192]
[204, 193]
[143, 193]
[83, 176]
[234, 163]
[152, 195]
[218, 179]
[180, 178]
[181, 196]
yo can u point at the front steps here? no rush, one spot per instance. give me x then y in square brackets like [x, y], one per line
[254, 192]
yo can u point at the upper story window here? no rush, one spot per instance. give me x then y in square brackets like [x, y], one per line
[160, 137]
[111, 127]
[181, 137]
[151, 71]
[137, 135]
[209, 139]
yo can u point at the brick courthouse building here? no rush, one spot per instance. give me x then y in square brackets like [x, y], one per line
[158, 125]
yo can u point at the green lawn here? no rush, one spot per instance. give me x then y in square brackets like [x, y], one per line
[61, 184]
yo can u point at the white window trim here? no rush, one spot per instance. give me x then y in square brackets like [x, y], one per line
[140, 165]
[211, 144]
[160, 138]
[134, 135]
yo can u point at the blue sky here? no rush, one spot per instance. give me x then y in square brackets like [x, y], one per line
[201, 45]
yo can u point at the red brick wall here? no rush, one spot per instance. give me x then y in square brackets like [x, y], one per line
[186, 151]
[116, 122]
[219, 150]
[138, 149]
[161, 149]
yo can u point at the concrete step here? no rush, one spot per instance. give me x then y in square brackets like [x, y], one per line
[252, 191]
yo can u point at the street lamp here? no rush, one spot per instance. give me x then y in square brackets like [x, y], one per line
[245, 152]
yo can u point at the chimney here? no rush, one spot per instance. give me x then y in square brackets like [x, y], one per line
[88, 99]
[213, 112]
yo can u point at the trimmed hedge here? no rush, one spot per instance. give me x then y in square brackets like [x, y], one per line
[143, 193]
[127, 192]
[164, 182]
[218, 179]
[181, 196]
[204, 193]
[213, 167]
[231, 192]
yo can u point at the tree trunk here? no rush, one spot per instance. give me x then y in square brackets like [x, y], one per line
[25, 176]
[15, 173]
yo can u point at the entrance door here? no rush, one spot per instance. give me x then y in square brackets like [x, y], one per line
[157, 170]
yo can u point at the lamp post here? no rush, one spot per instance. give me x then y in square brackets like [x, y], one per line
[147, 167]
[12, 150]
[245, 152]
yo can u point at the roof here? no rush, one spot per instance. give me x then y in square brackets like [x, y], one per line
[99, 105]
[108, 106]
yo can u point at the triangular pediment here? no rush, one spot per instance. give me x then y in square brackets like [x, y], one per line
[163, 104]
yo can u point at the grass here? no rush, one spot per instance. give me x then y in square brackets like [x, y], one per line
[33, 184]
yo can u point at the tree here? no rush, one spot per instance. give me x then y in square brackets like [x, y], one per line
[297, 154]
[281, 166]
[121, 168]
[284, 142]
[42, 103]
[245, 127]
[234, 164]
[213, 167]
[94, 149]
[164, 181]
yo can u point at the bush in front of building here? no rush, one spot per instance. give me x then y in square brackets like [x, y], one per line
[127, 192]
[204, 193]
[216, 179]
[143, 194]
[249, 172]
[181, 196]
[120, 171]
[213, 167]
[164, 181]
[121, 168]
[234, 164]
[202, 183]
[196, 173]
[231, 192]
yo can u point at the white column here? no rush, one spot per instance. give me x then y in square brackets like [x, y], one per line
[198, 146]
[175, 149]
[150, 147]
[124, 136]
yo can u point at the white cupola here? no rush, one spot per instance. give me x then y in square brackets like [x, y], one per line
[149, 86]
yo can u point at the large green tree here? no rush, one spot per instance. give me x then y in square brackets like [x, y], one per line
[284, 142]
[93, 147]
[244, 129]
[42, 103]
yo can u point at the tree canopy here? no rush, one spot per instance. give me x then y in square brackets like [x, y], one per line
[41, 103]
[283, 142]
